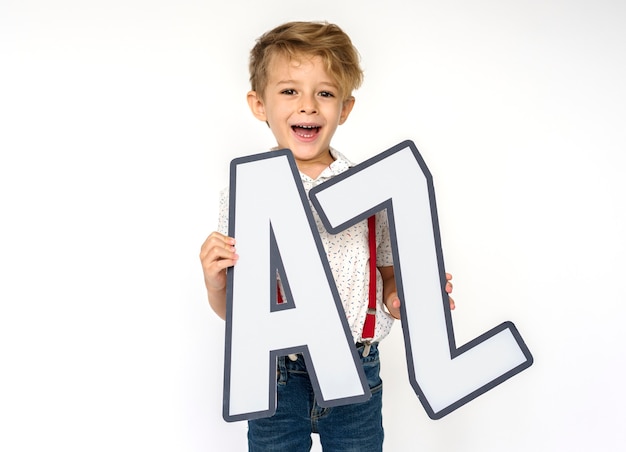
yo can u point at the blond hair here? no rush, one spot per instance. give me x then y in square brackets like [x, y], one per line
[297, 39]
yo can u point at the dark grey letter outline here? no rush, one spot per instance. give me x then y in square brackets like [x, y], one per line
[454, 351]
[276, 265]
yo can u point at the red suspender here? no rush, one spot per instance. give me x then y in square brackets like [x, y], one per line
[279, 296]
[370, 318]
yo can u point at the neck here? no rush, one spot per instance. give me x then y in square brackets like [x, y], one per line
[313, 168]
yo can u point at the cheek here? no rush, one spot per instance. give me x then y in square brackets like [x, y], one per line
[340, 114]
[277, 113]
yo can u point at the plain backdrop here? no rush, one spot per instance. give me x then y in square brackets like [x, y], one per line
[119, 118]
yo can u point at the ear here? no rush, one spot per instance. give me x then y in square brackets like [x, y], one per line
[346, 109]
[256, 106]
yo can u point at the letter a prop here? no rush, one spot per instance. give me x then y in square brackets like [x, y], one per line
[272, 222]
[443, 376]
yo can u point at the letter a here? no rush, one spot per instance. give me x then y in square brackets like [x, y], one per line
[272, 222]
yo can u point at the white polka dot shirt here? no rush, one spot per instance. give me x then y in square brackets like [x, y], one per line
[348, 256]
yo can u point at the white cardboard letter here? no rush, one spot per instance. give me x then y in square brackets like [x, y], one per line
[271, 220]
[444, 377]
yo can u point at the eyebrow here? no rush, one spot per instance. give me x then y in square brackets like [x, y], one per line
[294, 82]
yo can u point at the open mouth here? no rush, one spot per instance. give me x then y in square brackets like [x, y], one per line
[305, 131]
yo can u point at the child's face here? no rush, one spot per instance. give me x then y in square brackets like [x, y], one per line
[303, 106]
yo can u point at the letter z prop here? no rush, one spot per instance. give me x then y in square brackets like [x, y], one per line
[443, 376]
[270, 217]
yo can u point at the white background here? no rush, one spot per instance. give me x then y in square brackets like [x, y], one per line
[118, 120]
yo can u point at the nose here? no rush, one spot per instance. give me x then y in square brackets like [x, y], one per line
[308, 105]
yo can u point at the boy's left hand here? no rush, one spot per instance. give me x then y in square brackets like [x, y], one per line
[393, 301]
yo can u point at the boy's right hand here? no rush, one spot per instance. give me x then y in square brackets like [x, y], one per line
[217, 254]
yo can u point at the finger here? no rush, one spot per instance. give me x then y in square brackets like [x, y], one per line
[217, 239]
[452, 304]
[216, 256]
[210, 256]
[215, 272]
[216, 242]
[222, 264]
[394, 308]
[215, 259]
[395, 313]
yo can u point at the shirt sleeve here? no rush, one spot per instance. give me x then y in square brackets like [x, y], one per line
[222, 223]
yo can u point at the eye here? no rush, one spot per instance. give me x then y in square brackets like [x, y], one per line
[326, 94]
[288, 92]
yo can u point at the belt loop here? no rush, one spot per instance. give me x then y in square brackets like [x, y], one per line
[282, 370]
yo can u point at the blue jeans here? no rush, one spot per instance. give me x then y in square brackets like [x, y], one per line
[348, 428]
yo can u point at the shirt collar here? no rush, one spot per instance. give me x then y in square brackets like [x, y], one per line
[338, 166]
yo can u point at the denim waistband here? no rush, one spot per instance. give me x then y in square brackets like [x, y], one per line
[296, 361]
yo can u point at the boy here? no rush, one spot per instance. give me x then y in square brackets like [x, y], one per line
[302, 76]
